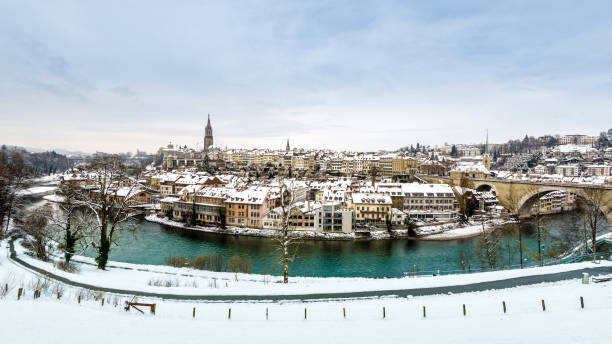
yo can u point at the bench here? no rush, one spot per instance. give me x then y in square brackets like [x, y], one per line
[135, 305]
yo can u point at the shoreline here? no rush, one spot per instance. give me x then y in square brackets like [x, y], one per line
[455, 233]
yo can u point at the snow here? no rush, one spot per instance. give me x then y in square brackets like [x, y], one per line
[37, 190]
[466, 231]
[36, 321]
[54, 198]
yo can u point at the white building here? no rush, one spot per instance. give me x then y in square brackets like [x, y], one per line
[568, 170]
[429, 201]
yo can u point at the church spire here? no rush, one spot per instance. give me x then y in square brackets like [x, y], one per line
[288, 148]
[208, 135]
[487, 143]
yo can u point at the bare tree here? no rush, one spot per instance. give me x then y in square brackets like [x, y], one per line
[488, 248]
[14, 173]
[107, 175]
[512, 202]
[34, 225]
[286, 242]
[71, 222]
[594, 215]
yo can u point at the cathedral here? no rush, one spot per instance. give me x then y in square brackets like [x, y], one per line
[208, 136]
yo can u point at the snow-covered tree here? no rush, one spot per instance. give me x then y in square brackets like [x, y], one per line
[286, 241]
[107, 176]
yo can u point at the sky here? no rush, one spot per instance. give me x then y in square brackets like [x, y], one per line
[117, 76]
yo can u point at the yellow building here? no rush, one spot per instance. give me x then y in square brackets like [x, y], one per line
[371, 208]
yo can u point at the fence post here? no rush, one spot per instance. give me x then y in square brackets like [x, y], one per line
[504, 304]
[102, 302]
[344, 312]
[79, 299]
[384, 313]
[59, 295]
[305, 314]
[543, 306]
[229, 313]
[464, 313]
[581, 302]
[266, 313]
[153, 309]
[424, 312]
[19, 292]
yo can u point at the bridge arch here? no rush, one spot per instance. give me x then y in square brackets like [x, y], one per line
[528, 199]
[483, 186]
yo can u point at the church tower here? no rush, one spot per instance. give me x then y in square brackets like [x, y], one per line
[288, 148]
[208, 136]
[486, 158]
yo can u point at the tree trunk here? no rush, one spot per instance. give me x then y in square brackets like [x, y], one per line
[285, 258]
[103, 250]
[520, 236]
[594, 236]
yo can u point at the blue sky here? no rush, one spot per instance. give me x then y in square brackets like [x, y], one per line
[355, 75]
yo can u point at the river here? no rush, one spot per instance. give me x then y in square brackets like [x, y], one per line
[152, 243]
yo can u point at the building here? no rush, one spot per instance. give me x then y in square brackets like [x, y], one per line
[554, 202]
[247, 208]
[208, 136]
[429, 201]
[371, 208]
[332, 218]
[568, 170]
[599, 170]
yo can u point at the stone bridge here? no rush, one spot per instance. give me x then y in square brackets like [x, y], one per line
[519, 195]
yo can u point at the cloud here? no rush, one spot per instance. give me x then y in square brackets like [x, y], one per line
[122, 91]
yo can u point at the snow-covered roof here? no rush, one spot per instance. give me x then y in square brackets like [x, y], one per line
[370, 198]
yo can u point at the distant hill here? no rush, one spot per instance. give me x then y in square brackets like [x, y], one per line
[39, 163]
[65, 152]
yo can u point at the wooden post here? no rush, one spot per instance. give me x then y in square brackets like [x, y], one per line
[266, 313]
[424, 312]
[305, 313]
[581, 302]
[229, 313]
[504, 304]
[153, 309]
[79, 299]
[384, 313]
[19, 293]
[5, 288]
[344, 312]
[59, 295]
[193, 313]
[543, 306]
[464, 313]
[102, 302]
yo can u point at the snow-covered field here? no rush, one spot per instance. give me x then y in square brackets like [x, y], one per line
[49, 320]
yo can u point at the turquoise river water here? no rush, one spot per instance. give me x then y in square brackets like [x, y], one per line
[152, 243]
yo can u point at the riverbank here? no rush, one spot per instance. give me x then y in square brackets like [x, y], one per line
[188, 283]
[440, 232]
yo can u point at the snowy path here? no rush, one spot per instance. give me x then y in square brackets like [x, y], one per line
[502, 283]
